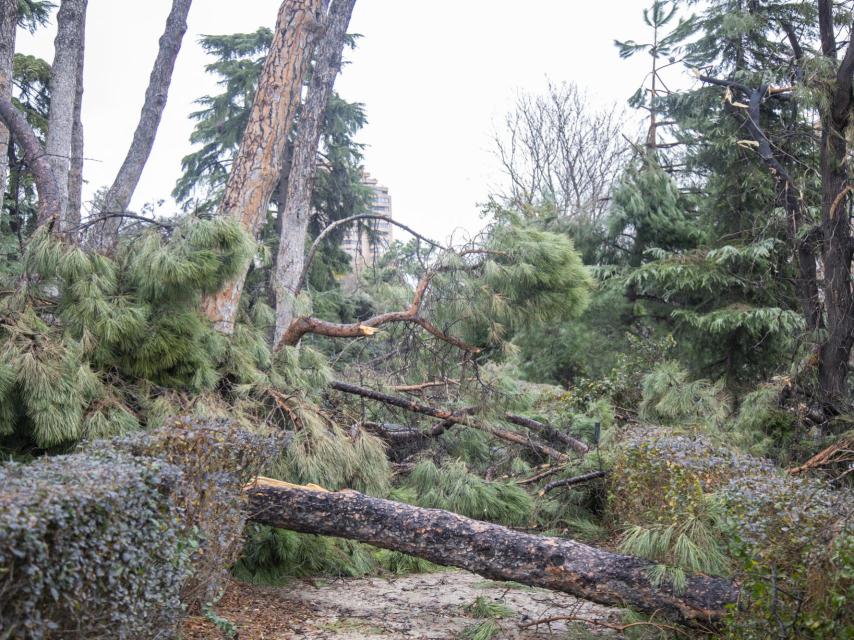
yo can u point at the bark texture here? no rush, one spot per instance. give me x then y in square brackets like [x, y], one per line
[34, 155]
[836, 239]
[70, 20]
[490, 550]
[452, 417]
[257, 167]
[75, 172]
[8, 23]
[296, 212]
[120, 193]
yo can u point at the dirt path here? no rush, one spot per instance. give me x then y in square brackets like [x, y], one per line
[420, 606]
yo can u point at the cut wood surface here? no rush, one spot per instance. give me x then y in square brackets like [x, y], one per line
[490, 550]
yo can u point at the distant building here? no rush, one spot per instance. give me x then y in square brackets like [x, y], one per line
[365, 248]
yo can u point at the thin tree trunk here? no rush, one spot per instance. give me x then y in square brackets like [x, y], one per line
[257, 168]
[297, 206]
[34, 156]
[490, 550]
[75, 174]
[119, 195]
[836, 245]
[63, 94]
[8, 27]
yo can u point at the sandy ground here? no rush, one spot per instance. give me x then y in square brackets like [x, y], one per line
[419, 606]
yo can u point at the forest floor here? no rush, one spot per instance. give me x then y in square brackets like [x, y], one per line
[416, 606]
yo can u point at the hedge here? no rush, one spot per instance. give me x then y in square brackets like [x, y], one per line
[117, 541]
[90, 547]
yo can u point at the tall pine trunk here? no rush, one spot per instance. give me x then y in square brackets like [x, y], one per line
[120, 193]
[8, 25]
[257, 168]
[296, 213]
[836, 240]
[70, 22]
[75, 173]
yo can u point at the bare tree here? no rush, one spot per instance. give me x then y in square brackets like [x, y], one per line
[296, 213]
[70, 22]
[257, 168]
[120, 193]
[555, 150]
[8, 24]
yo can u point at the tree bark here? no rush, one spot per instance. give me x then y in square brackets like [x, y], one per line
[296, 213]
[75, 173]
[257, 168]
[8, 27]
[490, 550]
[34, 155]
[836, 243]
[452, 417]
[63, 93]
[120, 193]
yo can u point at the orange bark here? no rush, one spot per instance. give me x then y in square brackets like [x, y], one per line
[258, 165]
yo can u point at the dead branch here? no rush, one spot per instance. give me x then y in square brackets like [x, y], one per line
[331, 227]
[549, 432]
[449, 417]
[569, 482]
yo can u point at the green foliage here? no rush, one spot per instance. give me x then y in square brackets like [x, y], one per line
[91, 543]
[485, 630]
[216, 459]
[484, 607]
[669, 397]
[453, 487]
[274, 556]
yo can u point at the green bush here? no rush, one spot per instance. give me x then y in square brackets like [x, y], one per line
[694, 506]
[91, 547]
[216, 459]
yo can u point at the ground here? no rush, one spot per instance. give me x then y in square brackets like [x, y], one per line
[417, 606]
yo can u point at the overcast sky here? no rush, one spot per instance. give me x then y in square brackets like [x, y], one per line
[436, 79]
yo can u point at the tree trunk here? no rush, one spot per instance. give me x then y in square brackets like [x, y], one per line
[34, 155]
[63, 94]
[490, 550]
[120, 193]
[8, 26]
[836, 243]
[296, 213]
[257, 167]
[75, 174]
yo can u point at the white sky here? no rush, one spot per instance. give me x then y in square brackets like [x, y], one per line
[436, 78]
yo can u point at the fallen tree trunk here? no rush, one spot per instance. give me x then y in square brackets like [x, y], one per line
[490, 550]
[449, 417]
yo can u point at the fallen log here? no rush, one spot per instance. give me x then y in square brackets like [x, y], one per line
[490, 550]
[449, 417]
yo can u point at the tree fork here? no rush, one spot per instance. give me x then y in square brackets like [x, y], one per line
[490, 550]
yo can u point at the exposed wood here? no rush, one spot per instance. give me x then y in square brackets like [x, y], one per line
[490, 550]
[570, 482]
[421, 386]
[34, 155]
[303, 325]
[840, 452]
[256, 171]
[296, 212]
[451, 417]
[119, 195]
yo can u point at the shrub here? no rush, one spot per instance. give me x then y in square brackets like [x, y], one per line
[91, 546]
[216, 459]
